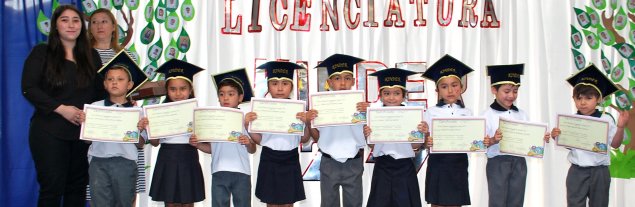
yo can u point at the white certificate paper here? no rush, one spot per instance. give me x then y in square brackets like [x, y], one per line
[277, 116]
[336, 108]
[218, 124]
[458, 135]
[110, 124]
[522, 138]
[396, 124]
[170, 119]
[583, 132]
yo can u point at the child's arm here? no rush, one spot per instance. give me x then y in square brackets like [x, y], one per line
[311, 115]
[249, 117]
[362, 106]
[367, 132]
[423, 128]
[622, 120]
[249, 144]
[489, 141]
[204, 147]
[142, 124]
[555, 132]
[302, 116]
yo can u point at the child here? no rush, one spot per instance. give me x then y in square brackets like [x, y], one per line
[279, 175]
[446, 175]
[230, 161]
[588, 175]
[113, 166]
[394, 181]
[506, 174]
[342, 147]
[177, 178]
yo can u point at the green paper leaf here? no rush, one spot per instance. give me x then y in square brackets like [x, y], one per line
[132, 4]
[187, 10]
[43, 23]
[184, 58]
[631, 64]
[631, 86]
[606, 63]
[599, 4]
[160, 12]
[106, 4]
[578, 59]
[172, 22]
[607, 101]
[150, 70]
[132, 50]
[155, 50]
[122, 34]
[583, 18]
[576, 38]
[622, 101]
[183, 42]
[171, 51]
[148, 12]
[593, 15]
[147, 34]
[118, 4]
[618, 72]
[620, 19]
[56, 4]
[591, 39]
[606, 37]
[631, 34]
[627, 137]
[625, 49]
[171, 5]
[613, 4]
[89, 6]
[630, 5]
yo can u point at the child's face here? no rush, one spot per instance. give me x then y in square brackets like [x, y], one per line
[228, 97]
[449, 89]
[117, 82]
[391, 96]
[506, 94]
[280, 88]
[179, 89]
[342, 81]
[586, 104]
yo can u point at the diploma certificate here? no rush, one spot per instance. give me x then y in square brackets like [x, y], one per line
[110, 124]
[218, 124]
[395, 124]
[170, 119]
[522, 138]
[583, 132]
[458, 135]
[336, 108]
[277, 116]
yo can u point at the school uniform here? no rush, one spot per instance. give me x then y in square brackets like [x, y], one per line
[279, 173]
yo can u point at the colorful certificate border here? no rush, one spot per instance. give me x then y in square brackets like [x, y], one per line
[217, 108]
[590, 118]
[542, 148]
[327, 93]
[482, 148]
[107, 108]
[420, 110]
[253, 100]
[145, 111]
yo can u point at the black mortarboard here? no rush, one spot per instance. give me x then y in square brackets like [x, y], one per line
[174, 68]
[238, 76]
[392, 77]
[505, 74]
[592, 76]
[123, 60]
[447, 66]
[280, 70]
[339, 63]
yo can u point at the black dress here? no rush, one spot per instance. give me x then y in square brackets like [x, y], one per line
[447, 180]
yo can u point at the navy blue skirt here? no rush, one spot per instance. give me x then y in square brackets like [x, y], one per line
[177, 177]
[279, 177]
[446, 180]
[394, 183]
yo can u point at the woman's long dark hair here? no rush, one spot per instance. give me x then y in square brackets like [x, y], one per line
[56, 54]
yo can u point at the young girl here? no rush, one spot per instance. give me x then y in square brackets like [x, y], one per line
[394, 181]
[279, 175]
[231, 171]
[177, 178]
[446, 175]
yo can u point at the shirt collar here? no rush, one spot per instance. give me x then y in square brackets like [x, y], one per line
[596, 113]
[496, 106]
[107, 102]
[441, 103]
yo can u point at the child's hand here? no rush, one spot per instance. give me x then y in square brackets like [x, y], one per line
[143, 122]
[244, 139]
[487, 141]
[193, 140]
[367, 131]
[249, 117]
[555, 132]
[423, 127]
[546, 138]
[497, 136]
[301, 116]
[428, 142]
[361, 106]
[311, 114]
[622, 120]
[82, 117]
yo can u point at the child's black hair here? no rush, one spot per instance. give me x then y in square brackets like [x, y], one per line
[585, 90]
[403, 92]
[499, 86]
[230, 83]
[167, 98]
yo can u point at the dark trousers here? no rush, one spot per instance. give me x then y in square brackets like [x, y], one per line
[62, 169]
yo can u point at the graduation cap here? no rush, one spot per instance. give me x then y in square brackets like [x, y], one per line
[339, 63]
[238, 76]
[505, 74]
[392, 77]
[123, 60]
[174, 68]
[280, 70]
[592, 76]
[445, 67]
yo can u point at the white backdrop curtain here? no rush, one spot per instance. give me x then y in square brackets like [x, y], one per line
[532, 32]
